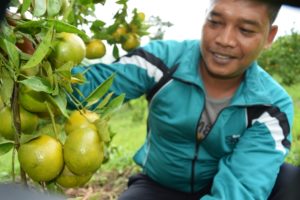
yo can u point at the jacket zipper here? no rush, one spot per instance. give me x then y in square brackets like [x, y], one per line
[198, 141]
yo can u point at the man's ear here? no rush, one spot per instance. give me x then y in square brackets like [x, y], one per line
[271, 36]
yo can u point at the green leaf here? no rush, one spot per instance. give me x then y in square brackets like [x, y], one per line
[103, 131]
[31, 27]
[53, 7]
[64, 76]
[60, 26]
[13, 54]
[60, 101]
[25, 6]
[5, 147]
[6, 86]
[104, 101]
[116, 52]
[41, 51]
[38, 84]
[39, 7]
[114, 104]
[36, 26]
[100, 91]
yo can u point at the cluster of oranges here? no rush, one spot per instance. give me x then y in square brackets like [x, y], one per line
[71, 161]
[128, 35]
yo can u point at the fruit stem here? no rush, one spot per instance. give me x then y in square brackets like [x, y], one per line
[52, 120]
[17, 126]
[74, 100]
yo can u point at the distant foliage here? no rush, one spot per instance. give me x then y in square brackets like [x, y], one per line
[283, 58]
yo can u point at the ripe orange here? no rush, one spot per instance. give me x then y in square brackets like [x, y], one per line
[119, 33]
[95, 49]
[67, 179]
[41, 158]
[29, 122]
[83, 151]
[131, 42]
[81, 119]
[68, 47]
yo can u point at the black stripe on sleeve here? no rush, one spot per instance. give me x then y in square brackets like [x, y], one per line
[283, 122]
[254, 112]
[149, 57]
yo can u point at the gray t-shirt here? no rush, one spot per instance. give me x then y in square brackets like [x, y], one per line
[210, 114]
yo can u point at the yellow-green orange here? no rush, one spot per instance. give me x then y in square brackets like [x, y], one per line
[131, 42]
[33, 101]
[119, 33]
[41, 158]
[67, 179]
[69, 47]
[83, 151]
[29, 122]
[95, 49]
[81, 119]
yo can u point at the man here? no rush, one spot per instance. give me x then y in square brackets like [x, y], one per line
[219, 128]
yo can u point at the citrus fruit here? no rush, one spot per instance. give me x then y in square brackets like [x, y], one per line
[41, 158]
[141, 16]
[29, 122]
[95, 49]
[35, 102]
[68, 47]
[83, 151]
[67, 179]
[131, 42]
[81, 119]
[119, 33]
[32, 101]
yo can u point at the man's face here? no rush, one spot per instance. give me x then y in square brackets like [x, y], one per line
[233, 35]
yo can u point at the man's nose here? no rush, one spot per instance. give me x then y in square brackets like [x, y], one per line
[227, 37]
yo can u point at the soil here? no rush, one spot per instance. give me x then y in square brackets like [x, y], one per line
[103, 186]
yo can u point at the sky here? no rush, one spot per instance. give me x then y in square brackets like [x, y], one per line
[188, 16]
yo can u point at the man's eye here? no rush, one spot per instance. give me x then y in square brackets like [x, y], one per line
[214, 22]
[247, 31]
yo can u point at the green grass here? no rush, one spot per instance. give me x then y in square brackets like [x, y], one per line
[6, 167]
[129, 124]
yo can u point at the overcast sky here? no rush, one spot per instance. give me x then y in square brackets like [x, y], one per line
[187, 16]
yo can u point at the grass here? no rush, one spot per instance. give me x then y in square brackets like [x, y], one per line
[130, 127]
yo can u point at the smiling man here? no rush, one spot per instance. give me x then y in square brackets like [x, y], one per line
[219, 127]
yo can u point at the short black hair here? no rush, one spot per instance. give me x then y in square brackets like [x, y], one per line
[273, 8]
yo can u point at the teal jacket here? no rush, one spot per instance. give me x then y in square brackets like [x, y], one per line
[243, 150]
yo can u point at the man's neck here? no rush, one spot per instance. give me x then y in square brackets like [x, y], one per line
[219, 88]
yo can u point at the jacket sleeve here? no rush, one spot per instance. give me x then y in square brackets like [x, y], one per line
[135, 74]
[250, 171]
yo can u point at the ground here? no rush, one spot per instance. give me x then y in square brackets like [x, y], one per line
[103, 186]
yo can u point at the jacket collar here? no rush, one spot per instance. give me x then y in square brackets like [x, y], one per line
[251, 91]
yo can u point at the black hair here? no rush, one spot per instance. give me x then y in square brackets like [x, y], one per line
[273, 8]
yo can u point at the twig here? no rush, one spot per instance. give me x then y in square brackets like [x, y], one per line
[17, 126]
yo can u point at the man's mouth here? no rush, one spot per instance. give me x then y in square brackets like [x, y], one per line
[222, 58]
